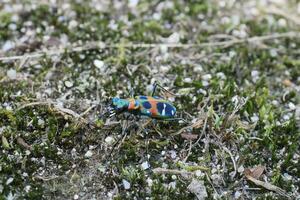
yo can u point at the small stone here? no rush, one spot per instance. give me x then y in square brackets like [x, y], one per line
[282, 22]
[149, 182]
[73, 24]
[237, 195]
[221, 75]
[173, 38]
[198, 68]
[68, 84]
[163, 49]
[286, 117]
[241, 169]
[27, 188]
[76, 197]
[292, 106]
[254, 118]
[12, 74]
[8, 45]
[255, 75]
[188, 80]
[9, 180]
[205, 83]
[172, 185]
[145, 165]
[206, 77]
[88, 154]
[41, 122]
[198, 188]
[273, 53]
[109, 140]
[173, 154]
[126, 184]
[99, 64]
[199, 173]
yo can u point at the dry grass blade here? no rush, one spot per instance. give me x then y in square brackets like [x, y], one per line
[172, 171]
[22, 143]
[99, 45]
[268, 186]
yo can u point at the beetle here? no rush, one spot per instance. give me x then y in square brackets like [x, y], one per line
[151, 106]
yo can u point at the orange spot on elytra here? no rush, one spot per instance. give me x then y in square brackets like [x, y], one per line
[153, 108]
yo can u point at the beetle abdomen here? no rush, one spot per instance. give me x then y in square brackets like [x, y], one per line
[156, 107]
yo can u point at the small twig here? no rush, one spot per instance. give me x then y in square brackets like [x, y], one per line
[232, 158]
[87, 110]
[60, 109]
[35, 104]
[189, 152]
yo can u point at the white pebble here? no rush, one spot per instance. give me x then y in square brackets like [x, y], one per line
[149, 182]
[292, 106]
[76, 197]
[99, 64]
[126, 184]
[188, 80]
[8, 45]
[221, 75]
[68, 84]
[109, 140]
[9, 181]
[255, 75]
[73, 24]
[88, 154]
[241, 169]
[198, 68]
[273, 53]
[145, 165]
[206, 77]
[282, 22]
[173, 38]
[199, 173]
[163, 49]
[41, 122]
[237, 195]
[173, 154]
[254, 118]
[286, 117]
[27, 188]
[205, 83]
[12, 74]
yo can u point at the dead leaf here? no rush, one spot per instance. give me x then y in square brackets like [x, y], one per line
[189, 136]
[255, 172]
[287, 83]
[198, 188]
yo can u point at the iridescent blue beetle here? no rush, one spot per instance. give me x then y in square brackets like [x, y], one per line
[150, 106]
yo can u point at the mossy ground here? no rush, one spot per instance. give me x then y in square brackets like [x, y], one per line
[245, 98]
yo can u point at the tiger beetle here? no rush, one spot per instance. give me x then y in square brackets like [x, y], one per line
[151, 106]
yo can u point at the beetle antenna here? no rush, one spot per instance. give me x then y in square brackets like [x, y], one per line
[156, 84]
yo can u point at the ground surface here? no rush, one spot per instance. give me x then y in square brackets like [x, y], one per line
[236, 84]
